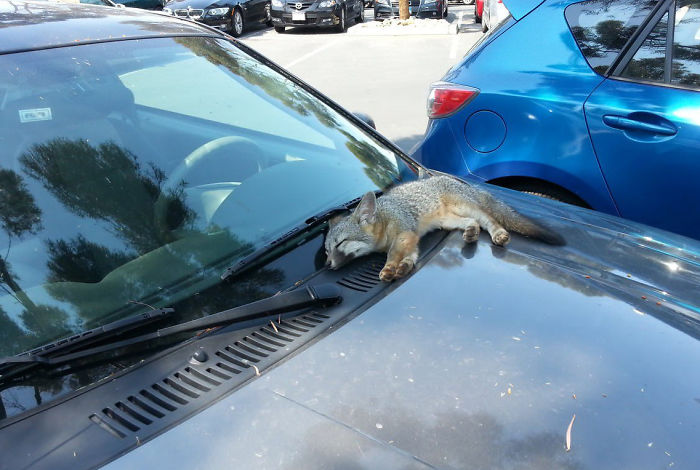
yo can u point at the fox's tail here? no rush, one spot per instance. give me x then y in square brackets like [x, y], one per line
[513, 221]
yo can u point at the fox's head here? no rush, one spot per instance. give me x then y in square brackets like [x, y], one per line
[350, 236]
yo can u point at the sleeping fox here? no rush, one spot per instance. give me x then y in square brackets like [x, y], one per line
[395, 222]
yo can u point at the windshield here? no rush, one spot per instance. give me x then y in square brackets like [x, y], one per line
[133, 172]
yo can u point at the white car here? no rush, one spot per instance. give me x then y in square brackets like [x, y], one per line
[494, 13]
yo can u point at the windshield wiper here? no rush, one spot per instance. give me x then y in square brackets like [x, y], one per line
[310, 296]
[309, 224]
[85, 338]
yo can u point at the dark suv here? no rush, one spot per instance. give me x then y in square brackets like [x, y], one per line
[320, 13]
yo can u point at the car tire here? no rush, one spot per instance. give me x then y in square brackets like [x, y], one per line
[237, 25]
[468, 2]
[361, 16]
[547, 191]
[279, 29]
[342, 24]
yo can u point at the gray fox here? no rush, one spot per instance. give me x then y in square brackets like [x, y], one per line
[395, 222]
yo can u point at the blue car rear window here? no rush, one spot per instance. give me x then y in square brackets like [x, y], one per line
[601, 28]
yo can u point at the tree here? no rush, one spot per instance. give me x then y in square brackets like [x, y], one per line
[403, 10]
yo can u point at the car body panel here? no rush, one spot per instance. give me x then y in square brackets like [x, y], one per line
[553, 144]
[633, 160]
[314, 14]
[481, 359]
[69, 23]
[520, 8]
[536, 99]
[252, 11]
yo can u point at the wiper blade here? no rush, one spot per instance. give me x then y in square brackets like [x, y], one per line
[309, 224]
[85, 338]
[309, 296]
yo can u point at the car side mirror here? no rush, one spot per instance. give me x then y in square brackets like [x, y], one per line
[366, 119]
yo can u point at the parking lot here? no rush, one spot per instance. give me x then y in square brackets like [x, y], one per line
[381, 73]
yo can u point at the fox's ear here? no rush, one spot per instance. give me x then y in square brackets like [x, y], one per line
[335, 219]
[366, 211]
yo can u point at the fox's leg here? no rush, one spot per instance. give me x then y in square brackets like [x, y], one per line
[468, 224]
[402, 256]
[499, 235]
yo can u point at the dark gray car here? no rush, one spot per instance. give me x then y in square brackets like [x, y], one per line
[165, 301]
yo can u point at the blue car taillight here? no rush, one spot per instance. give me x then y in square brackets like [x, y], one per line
[447, 98]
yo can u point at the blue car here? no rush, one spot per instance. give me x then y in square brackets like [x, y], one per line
[595, 103]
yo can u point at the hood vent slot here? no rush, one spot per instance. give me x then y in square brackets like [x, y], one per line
[365, 276]
[185, 387]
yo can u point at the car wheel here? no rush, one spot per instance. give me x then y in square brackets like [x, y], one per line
[444, 14]
[237, 23]
[547, 191]
[279, 29]
[468, 2]
[341, 26]
[361, 17]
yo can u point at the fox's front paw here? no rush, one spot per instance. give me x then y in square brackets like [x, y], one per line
[500, 237]
[388, 273]
[471, 233]
[405, 267]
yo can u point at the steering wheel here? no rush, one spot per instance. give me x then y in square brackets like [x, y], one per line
[218, 165]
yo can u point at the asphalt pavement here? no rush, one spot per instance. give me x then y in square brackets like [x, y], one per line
[381, 71]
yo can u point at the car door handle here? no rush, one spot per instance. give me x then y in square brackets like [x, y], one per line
[629, 124]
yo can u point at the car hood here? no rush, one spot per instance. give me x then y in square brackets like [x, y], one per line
[197, 4]
[481, 359]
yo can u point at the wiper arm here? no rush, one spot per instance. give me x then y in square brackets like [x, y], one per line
[310, 296]
[309, 224]
[85, 338]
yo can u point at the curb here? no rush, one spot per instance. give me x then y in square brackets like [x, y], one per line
[427, 27]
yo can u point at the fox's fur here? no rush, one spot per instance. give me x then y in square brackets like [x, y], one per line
[395, 222]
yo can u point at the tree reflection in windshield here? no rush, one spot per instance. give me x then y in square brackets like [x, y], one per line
[105, 183]
[19, 216]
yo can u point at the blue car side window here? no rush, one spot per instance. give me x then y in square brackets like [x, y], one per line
[650, 59]
[601, 28]
[686, 44]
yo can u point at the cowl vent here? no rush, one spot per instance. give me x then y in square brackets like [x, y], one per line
[247, 356]
[365, 276]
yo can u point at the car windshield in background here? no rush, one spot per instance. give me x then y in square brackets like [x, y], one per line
[133, 172]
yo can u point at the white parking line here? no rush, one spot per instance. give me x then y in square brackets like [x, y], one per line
[310, 54]
[455, 38]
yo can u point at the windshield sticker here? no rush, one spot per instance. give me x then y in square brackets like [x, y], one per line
[36, 114]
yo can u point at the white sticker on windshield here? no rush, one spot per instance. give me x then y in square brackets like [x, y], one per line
[36, 114]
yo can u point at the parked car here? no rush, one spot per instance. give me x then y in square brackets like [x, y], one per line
[384, 9]
[494, 12]
[316, 13]
[165, 303]
[478, 10]
[232, 16]
[606, 118]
